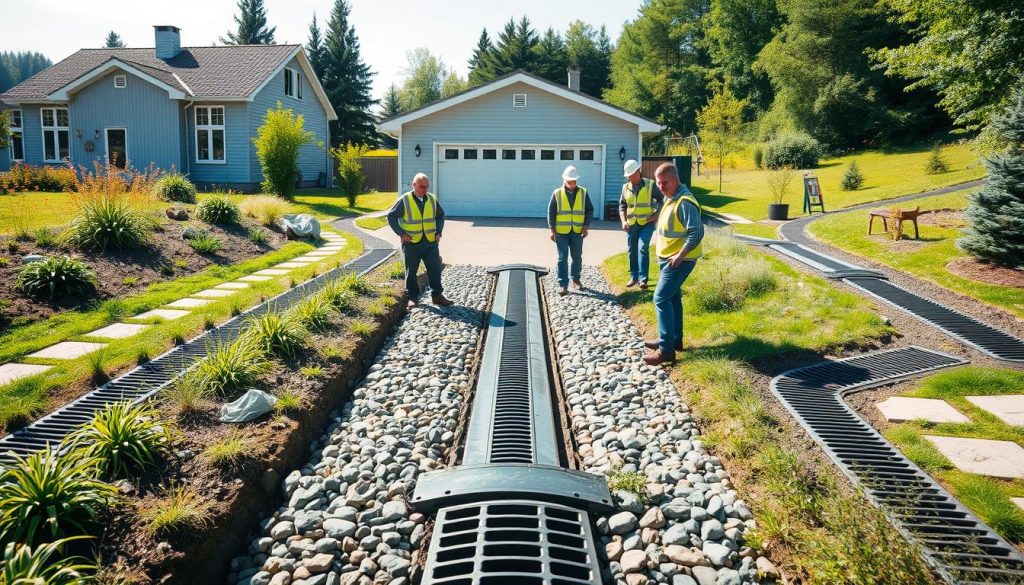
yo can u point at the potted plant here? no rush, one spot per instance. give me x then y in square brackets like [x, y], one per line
[778, 181]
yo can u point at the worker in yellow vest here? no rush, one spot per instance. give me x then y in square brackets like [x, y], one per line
[639, 203]
[569, 214]
[418, 219]
[678, 246]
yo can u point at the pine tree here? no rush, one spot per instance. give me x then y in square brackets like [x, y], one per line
[390, 106]
[516, 48]
[936, 165]
[852, 178]
[483, 48]
[315, 49]
[17, 67]
[347, 81]
[113, 41]
[552, 58]
[252, 25]
[995, 215]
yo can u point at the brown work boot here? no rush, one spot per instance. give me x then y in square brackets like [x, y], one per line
[577, 284]
[655, 344]
[441, 301]
[643, 285]
[412, 304]
[656, 357]
[632, 282]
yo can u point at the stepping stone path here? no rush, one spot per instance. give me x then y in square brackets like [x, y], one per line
[189, 303]
[12, 372]
[67, 350]
[233, 285]
[903, 409]
[165, 314]
[982, 456]
[1009, 408]
[1019, 502]
[118, 330]
[214, 293]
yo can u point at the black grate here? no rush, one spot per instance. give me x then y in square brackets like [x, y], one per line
[985, 338]
[512, 436]
[955, 542]
[514, 542]
[144, 381]
[832, 267]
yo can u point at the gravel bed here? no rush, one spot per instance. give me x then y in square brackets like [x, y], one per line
[346, 519]
[628, 415]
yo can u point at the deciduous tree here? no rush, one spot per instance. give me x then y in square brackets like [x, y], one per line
[278, 142]
[720, 122]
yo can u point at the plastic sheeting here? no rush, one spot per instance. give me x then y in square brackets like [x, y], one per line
[252, 405]
[302, 225]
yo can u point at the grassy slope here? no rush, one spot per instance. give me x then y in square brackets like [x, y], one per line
[848, 231]
[987, 497]
[328, 204]
[888, 173]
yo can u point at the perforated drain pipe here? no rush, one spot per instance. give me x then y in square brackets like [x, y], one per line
[511, 513]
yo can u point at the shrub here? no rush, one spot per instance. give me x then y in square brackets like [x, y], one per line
[218, 209]
[175, 187]
[266, 209]
[231, 367]
[180, 509]
[396, 270]
[47, 496]
[257, 236]
[630, 481]
[23, 177]
[43, 565]
[277, 335]
[778, 183]
[44, 238]
[935, 164]
[852, 178]
[123, 439]
[797, 150]
[355, 283]
[104, 222]
[277, 143]
[57, 276]
[313, 313]
[350, 172]
[337, 294]
[204, 243]
[758, 157]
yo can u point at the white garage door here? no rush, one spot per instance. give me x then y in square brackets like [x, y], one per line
[511, 180]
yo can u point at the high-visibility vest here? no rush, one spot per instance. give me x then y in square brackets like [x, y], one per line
[416, 223]
[569, 218]
[671, 231]
[638, 205]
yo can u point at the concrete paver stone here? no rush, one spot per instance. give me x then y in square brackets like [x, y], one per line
[982, 456]
[165, 314]
[318, 254]
[67, 350]
[214, 293]
[902, 409]
[189, 303]
[271, 272]
[12, 372]
[255, 278]
[233, 285]
[294, 264]
[1008, 407]
[1019, 502]
[118, 330]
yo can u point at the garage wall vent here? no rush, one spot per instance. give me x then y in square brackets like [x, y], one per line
[519, 100]
[120, 81]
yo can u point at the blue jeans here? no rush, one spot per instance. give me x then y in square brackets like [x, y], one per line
[569, 245]
[638, 239]
[668, 303]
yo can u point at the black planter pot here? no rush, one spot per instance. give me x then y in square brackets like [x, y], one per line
[778, 211]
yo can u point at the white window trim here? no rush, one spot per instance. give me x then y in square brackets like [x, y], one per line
[19, 128]
[210, 128]
[123, 79]
[56, 134]
[106, 143]
[296, 83]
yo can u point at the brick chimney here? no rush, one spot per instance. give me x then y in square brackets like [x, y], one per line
[168, 41]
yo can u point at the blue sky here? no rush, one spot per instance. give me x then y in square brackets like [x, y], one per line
[387, 29]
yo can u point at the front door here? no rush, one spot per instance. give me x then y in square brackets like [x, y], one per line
[117, 147]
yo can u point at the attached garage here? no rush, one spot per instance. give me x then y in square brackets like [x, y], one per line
[498, 150]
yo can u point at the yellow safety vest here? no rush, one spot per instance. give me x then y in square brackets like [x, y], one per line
[671, 231]
[419, 224]
[638, 205]
[569, 218]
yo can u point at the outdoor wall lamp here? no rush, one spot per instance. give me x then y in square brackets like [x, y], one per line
[622, 153]
[78, 132]
[417, 151]
[96, 134]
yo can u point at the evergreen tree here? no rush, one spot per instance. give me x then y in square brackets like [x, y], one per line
[315, 49]
[113, 41]
[739, 30]
[17, 67]
[516, 48]
[347, 81]
[552, 58]
[252, 25]
[390, 106]
[483, 48]
[995, 215]
[852, 178]
[590, 50]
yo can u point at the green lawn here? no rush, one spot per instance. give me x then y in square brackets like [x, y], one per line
[372, 223]
[987, 497]
[887, 173]
[327, 204]
[926, 258]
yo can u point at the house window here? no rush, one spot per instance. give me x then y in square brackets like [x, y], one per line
[566, 154]
[210, 134]
[519, 100]
[469, 154]
[451, 153]
[547, 155]
[508, 154]
[586, 155]
[528, 154]
[490, 154]
[292, 83]
[17, 152]
[55, 134]
[120, 81]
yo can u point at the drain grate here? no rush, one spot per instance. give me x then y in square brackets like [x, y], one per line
[144, 381]
[969, 330]
[831, 267]
[514, 542]
[955, 542]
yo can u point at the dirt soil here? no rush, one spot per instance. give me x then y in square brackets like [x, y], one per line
[973, 269]
[947, 218]
[166, 257]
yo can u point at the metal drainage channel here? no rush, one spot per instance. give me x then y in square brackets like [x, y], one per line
[831, 267]
[511, 513]
[959, 546]
[146, 380]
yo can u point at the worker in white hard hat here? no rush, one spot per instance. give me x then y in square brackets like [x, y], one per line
[639, 204]
[569, 216]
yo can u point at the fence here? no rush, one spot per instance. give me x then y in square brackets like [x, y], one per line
[381, 172]
[684, 164]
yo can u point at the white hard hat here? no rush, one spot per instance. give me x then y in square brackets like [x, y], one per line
[570, 173]
[630, 167]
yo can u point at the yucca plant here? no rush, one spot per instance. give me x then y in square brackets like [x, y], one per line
[124, 439]
[205, 243]
[231, 367]
[44, 565]
[313, 313]
[46, 496]
[217, 210]
[104, 222]
[277, 334]
[57, 276]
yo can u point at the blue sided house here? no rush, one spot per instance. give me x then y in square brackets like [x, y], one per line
[194, 109]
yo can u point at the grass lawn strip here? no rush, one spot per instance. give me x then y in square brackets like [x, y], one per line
[373, 222]
[926, 258]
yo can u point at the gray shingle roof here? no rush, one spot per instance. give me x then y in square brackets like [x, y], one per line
[209, 72]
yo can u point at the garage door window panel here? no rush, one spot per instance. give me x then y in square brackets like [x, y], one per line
[528, 154]
[547, 155]
[469, 154]
[508, 154]
[451, 154]
[567, 154]
[586, 154]
[490, 154]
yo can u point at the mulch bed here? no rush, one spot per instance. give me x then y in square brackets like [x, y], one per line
[167, 257]
[974, 269]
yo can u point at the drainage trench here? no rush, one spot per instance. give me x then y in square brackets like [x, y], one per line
[512, 512]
